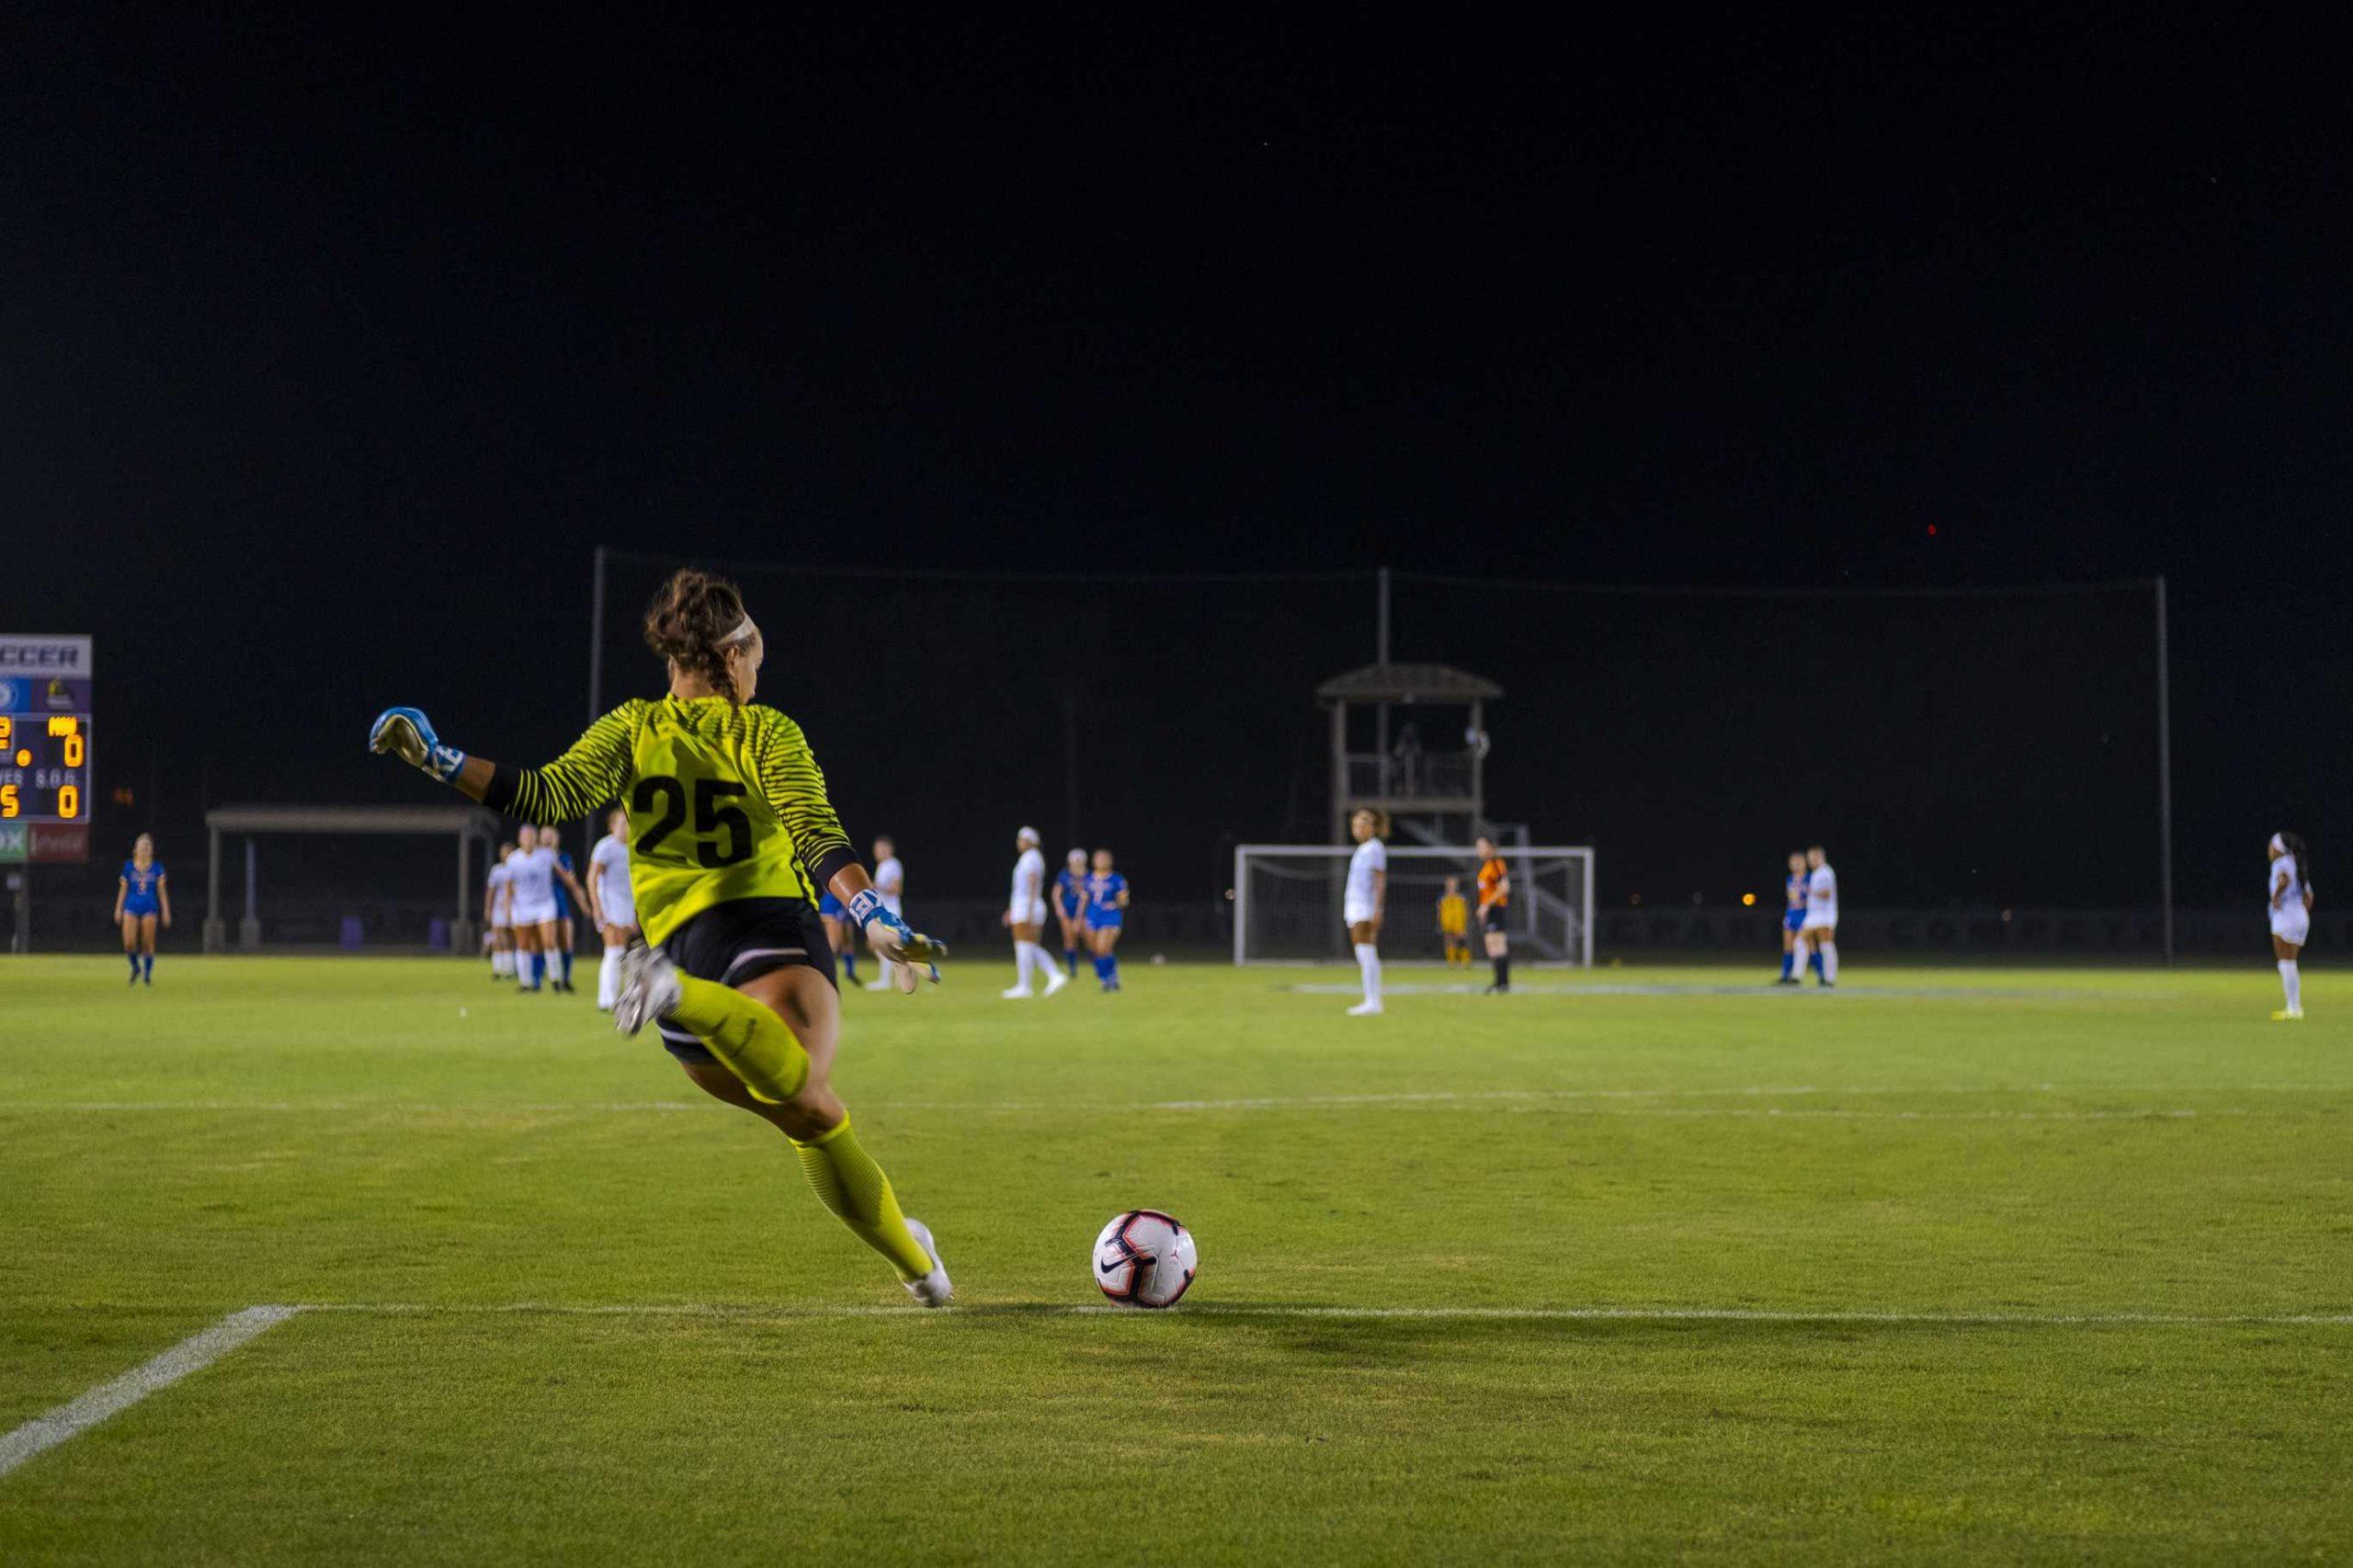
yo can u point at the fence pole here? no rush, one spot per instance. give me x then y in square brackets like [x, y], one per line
[1381, 656]
[2165, 775]
[1070, 762]
[596, 684]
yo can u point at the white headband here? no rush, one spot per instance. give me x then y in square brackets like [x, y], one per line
[744, 629]
[2279, 844]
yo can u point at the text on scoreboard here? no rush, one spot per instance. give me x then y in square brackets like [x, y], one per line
[44, 767]
[45, 727]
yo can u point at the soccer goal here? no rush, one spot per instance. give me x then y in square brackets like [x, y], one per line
[1286, 902]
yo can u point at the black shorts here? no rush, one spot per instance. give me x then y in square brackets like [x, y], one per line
[1494, 920]
[743, 939]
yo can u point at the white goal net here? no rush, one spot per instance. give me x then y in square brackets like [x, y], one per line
[1287, 900]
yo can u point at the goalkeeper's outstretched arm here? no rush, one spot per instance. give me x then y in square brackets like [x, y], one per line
[592, 772]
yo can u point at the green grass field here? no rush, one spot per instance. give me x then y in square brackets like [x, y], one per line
[1951, 1265]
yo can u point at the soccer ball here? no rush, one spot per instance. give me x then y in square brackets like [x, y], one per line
[1144, 1258]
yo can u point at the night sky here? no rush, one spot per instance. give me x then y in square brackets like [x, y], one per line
[331, 350]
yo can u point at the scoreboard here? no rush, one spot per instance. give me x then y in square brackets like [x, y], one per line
[46, 792]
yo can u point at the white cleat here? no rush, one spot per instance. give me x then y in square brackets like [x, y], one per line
[1018, 994]
[649, 988]
[1055, 981]
[933, 1290]
[1365, 1010]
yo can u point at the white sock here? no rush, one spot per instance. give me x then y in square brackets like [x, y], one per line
[1039, 961]
[1369, 960]
[1829, 951]
[502, 962]
[2291, 981]
[1022, 966]
[608, 978]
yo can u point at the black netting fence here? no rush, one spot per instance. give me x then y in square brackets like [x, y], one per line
[1950, 749]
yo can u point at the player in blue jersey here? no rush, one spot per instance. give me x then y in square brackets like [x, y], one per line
[1105, 909]
[569, 895]
[1793, 888]
[143, 895]
[839, 934]
[1070, 897]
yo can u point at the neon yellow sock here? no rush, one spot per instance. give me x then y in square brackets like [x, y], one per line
[854, 1189]
[744, 1034]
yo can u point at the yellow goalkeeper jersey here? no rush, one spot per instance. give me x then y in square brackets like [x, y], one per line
[725, 802]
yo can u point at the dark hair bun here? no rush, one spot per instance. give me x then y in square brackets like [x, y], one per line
[691, 616]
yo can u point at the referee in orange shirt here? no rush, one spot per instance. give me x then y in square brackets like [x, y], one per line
[1495, 897]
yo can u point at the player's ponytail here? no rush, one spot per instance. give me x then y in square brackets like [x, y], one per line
[2294, 845]
[694, 618]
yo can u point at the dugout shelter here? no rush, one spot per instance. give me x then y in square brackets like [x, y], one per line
[465, 824]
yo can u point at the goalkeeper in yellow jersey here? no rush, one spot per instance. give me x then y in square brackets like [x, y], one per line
[1454, 923]
[731, 840]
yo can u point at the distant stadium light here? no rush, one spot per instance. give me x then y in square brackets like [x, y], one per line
[1748, 898]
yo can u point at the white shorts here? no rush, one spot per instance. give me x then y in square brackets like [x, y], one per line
[2292, 925]
[1819, 919]
[1033, 916]
[535, 914]
[1358, 913]
[501, 925]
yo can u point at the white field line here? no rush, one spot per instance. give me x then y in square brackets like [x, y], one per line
[1662, 988]
[1308, 1102]
[1799, 1316]
[198, 1351]
[1570, 1102]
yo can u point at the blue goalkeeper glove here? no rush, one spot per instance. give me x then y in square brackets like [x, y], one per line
[407, 733]
[889, 936]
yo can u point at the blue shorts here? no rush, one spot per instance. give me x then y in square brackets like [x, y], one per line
[831, 907]
[1110, 922]
[138, 906]
[1068, 908]
[1792, 919]
[563, 903]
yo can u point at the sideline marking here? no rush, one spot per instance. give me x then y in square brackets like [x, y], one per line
[1751, 988]
[193, 1354]
[1826, 1316]
[1282, 1102]
[200, 1350]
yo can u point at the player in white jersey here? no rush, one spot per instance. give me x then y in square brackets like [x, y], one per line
[494, 910]
[2290, 881]
[890, 887]
[1819, 930]
[1365, 902]
[611, 905]
[1025, 915]
[531, 896]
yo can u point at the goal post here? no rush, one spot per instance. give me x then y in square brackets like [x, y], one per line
[1287, 897]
